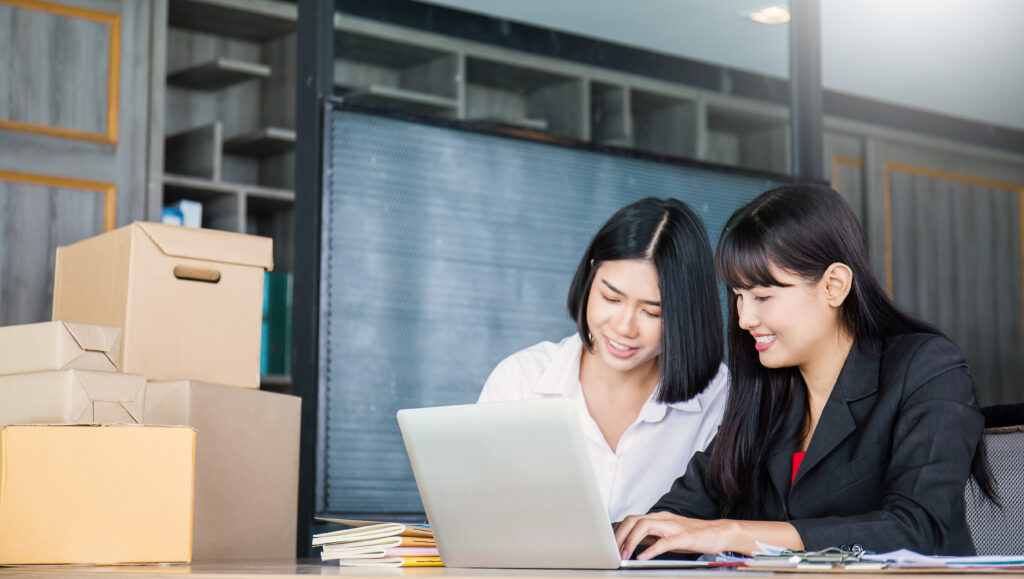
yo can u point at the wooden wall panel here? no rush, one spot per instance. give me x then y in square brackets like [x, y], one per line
[121, 161]
[848, 180]
[62, 67]
[35, 219]
[955, 260]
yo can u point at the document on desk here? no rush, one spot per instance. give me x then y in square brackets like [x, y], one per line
[905, 558]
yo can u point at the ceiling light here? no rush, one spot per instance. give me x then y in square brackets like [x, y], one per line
[774, 14]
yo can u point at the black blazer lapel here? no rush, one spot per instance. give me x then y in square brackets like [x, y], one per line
[780, 460]
[858, 379]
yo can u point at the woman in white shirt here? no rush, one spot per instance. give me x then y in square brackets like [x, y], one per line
[645, 366]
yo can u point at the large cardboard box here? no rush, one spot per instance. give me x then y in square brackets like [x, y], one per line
[59, 346]
[189, 300]
[247, 466]
[72, 397]
[96, 494]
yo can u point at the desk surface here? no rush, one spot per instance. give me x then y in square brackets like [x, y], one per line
[272, 570]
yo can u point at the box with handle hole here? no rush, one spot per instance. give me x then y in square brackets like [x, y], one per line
[189, 300]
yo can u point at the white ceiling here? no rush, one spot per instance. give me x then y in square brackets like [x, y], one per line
[963, 59]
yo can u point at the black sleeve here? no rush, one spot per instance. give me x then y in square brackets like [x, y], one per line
[688, 496]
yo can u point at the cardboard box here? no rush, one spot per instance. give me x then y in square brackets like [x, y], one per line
[96, 494]
[247, 466]
[189, 300]
[59, 346]
[72, 397]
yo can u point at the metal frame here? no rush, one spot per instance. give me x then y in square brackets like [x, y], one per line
[806, 99]
[315, 80]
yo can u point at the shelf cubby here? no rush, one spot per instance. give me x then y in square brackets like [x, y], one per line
[522, 96]
[748, 138]
[222, 203]
[664, 123]
[195, 152]
[392, 74]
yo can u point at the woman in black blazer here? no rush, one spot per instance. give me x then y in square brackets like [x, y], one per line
[848, 422]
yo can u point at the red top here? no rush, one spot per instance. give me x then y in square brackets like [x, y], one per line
[798, 457]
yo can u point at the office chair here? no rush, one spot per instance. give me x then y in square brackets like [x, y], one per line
[995, 530]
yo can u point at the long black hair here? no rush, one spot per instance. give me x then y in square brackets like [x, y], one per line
[672, 237]
[801, 229]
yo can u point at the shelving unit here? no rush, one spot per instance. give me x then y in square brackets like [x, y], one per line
[228, 140]
[421, 72]
[229, 105]
[229, 119]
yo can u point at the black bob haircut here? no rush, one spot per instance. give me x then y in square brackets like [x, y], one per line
[672, 237]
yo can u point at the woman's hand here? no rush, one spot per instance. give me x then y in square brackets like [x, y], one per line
[666, 532]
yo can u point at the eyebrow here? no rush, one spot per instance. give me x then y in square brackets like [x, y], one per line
[618, 291]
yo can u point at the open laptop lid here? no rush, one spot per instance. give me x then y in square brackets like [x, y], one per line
[509, 485]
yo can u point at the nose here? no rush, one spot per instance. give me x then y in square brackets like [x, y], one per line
[624, 322]
[745, 314]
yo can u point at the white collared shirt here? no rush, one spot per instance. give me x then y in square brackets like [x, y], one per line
[651, 453]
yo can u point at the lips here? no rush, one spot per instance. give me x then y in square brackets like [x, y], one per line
[618, 350]
[763, 341]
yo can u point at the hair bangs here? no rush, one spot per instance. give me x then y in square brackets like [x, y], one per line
[742, 260]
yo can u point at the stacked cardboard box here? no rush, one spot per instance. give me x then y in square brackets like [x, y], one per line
[102, 465]
[86, 494]
[190, 303]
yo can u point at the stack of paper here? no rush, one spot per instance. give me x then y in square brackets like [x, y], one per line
[374, 544]
[905, 559]
[773, 558]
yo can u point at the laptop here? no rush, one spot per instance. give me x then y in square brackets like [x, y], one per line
[510, 485]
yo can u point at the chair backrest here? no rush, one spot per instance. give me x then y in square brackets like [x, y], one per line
[995, 530]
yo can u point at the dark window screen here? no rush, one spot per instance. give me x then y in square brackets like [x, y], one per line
[444, 251]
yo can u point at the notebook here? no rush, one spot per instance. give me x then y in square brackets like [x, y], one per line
[510, 485]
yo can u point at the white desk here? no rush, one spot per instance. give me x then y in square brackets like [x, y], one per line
[293, 569]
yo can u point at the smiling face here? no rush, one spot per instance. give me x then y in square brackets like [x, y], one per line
[796, 325]
[624, 314]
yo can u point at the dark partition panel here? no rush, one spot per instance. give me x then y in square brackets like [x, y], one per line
[444, 250]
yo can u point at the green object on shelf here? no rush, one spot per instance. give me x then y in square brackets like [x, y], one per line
[276, 356]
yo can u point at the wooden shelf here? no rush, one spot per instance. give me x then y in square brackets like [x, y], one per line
[265, 142]
[202, 189]
[405, 99]
[218, 73]
[531, 124]
[206, 188]
[257, 20]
